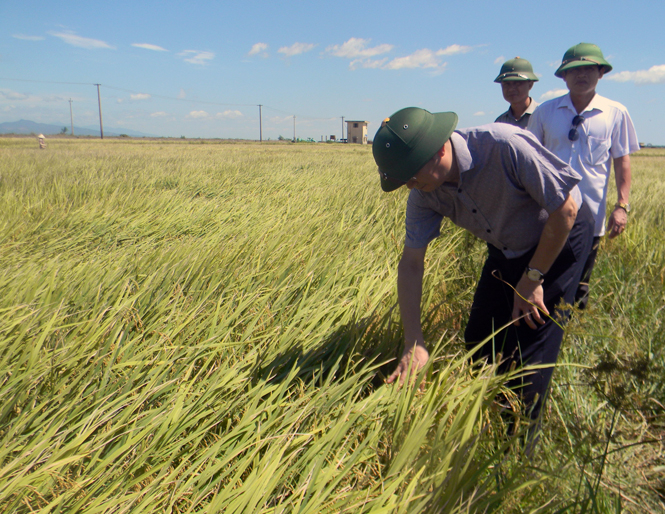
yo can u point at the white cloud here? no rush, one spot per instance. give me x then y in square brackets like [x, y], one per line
[158, 114]
[8, 96]
[500, 60]
[196, 57]
[82, 42]
[553, 93]
[28, 38]
[361, 55]
[198, 114]
[423, 58]
[479, 113]
[296, 49]
[368, 63]
[454, 49]
[257, 48]
[356, 48]
[140, 96]
[229, 114]
[13, 95]
[654, 75]
[52, 98]
[182, 94]
[281, 119]
[148, 46]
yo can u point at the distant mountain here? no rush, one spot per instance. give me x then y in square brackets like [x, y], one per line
[31, 127]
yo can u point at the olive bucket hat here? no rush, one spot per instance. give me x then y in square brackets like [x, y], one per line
[516, 69]
[407, 140]
[583, 54]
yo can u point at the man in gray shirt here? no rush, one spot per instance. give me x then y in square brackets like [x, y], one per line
[502, 185]
[516, 78]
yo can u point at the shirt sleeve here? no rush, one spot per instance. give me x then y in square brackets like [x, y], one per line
[624, 137]
[545, 177]
[422, 223]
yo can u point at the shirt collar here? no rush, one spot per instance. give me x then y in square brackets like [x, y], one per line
[595, 103]
[529, 110]
[462, 154]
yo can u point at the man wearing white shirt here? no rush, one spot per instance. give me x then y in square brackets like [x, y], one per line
[589, 132]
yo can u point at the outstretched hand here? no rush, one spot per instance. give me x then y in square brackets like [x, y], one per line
[413, 359]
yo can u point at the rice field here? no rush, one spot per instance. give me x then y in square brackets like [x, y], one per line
[206, 326]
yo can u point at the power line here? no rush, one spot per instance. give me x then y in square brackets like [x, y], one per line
[178, 99]
[164, 97]
[50, 82]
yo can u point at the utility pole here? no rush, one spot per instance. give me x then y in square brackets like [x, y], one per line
[294, 128]
[71, 116]
[342, 138]
[260, 125]
[99, 100]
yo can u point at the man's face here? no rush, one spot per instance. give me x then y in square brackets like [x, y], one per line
[583, 79]
[516, 91]
[434, 173]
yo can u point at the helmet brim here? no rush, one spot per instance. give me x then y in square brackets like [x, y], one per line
[516, 76]
[586, 61]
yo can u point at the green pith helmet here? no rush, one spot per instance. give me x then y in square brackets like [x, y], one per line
[583, 54]
[516, 69]
[407, 140]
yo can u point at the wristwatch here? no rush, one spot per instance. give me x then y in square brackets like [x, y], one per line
[624, 206]
[535, 275]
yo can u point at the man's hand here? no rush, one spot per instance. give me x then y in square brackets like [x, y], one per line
[619, 217]
[413, 358]
[617, 221]
[533, 292]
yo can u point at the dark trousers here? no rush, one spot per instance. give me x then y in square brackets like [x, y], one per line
[493, 305]
[582, 294]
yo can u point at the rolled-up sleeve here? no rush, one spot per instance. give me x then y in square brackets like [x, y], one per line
[422, 223]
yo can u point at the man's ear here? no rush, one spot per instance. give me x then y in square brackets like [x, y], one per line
[530, 84]
[601, 72]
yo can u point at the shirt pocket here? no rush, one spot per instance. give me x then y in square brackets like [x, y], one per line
[599, 150]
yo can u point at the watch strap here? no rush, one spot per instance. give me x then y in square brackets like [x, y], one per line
[622, 205]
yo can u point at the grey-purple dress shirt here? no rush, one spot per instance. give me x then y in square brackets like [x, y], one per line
[509, 184]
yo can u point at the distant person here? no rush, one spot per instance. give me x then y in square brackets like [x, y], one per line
[42, 141]
[516, 78]
[589, 132]
[499, 183]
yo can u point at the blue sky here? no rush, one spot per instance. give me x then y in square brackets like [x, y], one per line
[201, 68]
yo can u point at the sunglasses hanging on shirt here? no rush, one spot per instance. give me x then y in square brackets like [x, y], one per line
[573, 135]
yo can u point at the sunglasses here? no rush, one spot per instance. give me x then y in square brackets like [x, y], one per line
[573, 135]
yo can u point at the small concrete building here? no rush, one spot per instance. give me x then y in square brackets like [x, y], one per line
[356, 132]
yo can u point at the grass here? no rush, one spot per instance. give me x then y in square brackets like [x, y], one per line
[205, 327]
